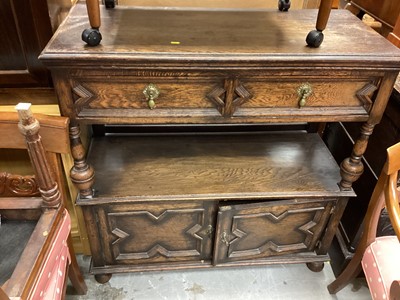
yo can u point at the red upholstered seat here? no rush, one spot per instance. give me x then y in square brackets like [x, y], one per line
[381, 264]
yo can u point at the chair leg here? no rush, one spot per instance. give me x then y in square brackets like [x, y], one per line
[3, 295]
[348, 274]
[395, 290]
[315, 37]
[74, 273]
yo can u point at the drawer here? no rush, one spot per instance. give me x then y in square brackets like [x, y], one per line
[175, 94]
[327, 94]
[191, 99]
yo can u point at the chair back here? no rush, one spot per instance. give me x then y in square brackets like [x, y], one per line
[48, 255]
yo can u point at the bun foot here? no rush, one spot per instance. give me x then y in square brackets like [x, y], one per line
[102, 278]
[315, 266]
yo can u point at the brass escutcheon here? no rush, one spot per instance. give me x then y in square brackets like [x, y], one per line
[210, 231]
[151, 92]
[224, 238]
[304, 91]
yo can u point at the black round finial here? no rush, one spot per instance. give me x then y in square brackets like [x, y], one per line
[283, 5]
[314, 38]
[91, 36]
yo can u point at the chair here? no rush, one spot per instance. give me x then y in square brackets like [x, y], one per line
[93, 37]
[40, 272]
[384, 11]
[379, 257]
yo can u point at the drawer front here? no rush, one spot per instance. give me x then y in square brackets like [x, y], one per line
[263, 230]
[192, 99]
[147, 233]
[287, 94]
[129, 95]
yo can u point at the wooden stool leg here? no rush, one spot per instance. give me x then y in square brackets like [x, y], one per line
[74, 273]
[315, 37]
[92, 36]
[93, 10]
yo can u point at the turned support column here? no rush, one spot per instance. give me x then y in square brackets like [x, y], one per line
[29, 127]
[352, 167]
[82, 174]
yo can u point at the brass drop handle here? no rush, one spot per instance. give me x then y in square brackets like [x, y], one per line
[224, 239]
[151, 92]
[304, 91]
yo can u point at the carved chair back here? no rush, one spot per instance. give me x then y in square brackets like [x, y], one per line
[48, 255]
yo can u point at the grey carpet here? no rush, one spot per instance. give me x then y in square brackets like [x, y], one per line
[13, 237]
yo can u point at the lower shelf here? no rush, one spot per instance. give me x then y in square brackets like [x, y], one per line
[172, 202]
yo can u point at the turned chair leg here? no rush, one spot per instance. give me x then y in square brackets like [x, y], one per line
[92, 36]
[315, 37]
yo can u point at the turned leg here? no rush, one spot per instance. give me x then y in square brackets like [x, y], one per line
[352, 168]
[315, 37]
[82, 174]
[92, 36]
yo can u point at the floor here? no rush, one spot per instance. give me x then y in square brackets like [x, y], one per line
[276, 282]
[13, 237]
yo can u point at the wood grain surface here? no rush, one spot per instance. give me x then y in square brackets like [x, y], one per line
[210, 167]
[217, 34]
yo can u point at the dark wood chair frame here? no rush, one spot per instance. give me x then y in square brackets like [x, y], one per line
[54, 138]
[386, 193]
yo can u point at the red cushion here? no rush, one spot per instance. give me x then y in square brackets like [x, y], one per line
[381, 265]
[52, 276]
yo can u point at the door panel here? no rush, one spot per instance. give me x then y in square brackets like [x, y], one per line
[259, 230]
[159, 232]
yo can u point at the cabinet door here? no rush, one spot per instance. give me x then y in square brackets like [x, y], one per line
[158, 232]
[25, 29]
[260, 230]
